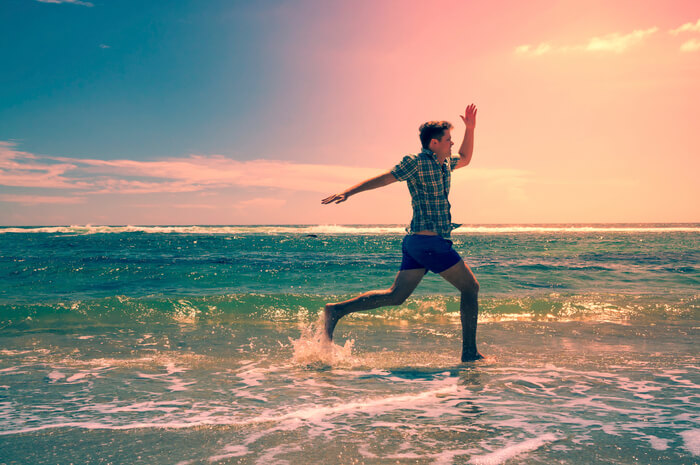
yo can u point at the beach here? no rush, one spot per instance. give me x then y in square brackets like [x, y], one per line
[200, 344]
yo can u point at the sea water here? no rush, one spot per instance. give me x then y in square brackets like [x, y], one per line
[200, 344]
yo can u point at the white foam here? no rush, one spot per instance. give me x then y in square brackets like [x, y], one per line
[12, 370]
[10, 352]
[317, 418]
[269, 455]
[691, 439]
[230, 451]
[76, 377]
[446, 457]
[55, 376]
[350, 229]
[501, 455]
[368, 406]
[251, 377]
[150, 406]
[657, 443]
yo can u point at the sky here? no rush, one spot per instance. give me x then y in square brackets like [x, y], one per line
[236, 112]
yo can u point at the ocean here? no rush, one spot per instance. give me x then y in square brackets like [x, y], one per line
[200, 344]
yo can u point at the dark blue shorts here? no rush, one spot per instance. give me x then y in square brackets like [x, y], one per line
[434, 253]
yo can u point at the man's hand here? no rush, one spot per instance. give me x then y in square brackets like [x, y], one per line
[467, 148]
[372, 183]
[335, 198]
[469, 117]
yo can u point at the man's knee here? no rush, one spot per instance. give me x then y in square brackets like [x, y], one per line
[397, 297]
[471, 288]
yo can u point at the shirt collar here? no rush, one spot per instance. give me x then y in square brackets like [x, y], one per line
[430, 154]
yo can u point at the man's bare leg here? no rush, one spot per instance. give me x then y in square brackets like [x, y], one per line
[461, 277]
[404, 284]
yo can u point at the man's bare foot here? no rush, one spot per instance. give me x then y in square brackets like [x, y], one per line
[331, 318]
[471, 356]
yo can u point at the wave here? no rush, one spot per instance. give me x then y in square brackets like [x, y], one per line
[359, 229]
[306, 308]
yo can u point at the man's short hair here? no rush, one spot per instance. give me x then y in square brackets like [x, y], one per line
[432, 130]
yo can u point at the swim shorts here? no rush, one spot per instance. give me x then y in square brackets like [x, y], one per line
[434, 253]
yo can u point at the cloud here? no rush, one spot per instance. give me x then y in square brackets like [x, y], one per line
[614, 42]
[23, 169]
[687, 27]
[692, 45]
[541, 49]
[618, 43]
[36, 199]
[73, 2]
[189, 174]
[202, 174]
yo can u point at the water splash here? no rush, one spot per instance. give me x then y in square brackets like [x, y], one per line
[313, 347]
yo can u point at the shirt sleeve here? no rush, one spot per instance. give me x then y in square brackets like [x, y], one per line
[453, 162]
[406, 168]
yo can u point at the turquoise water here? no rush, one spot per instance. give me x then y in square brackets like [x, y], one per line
[199, 345]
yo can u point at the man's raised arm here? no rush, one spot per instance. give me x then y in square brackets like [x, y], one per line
[372, 183]
[467, 148]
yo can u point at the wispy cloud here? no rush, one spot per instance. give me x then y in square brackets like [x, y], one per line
[687, 27]
[614, 42]
[189, 174]
[618, 43]
[72, 2]
[541, 49]
[35, 199]
[692, 45]
[196, 173]
[23, 169]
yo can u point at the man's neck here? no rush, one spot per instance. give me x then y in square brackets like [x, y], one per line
[440, 158]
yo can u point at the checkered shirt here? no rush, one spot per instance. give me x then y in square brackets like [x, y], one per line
[429, 185]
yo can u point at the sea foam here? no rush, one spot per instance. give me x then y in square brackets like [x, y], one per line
[353, 229]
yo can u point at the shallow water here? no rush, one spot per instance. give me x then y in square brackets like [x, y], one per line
[549, 392]
[128, 347]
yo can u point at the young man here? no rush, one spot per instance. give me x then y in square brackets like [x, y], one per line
[427, 246]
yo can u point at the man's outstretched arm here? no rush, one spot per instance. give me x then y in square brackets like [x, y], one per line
[467, 148]
[372, 183]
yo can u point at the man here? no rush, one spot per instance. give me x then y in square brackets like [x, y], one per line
[427, 246]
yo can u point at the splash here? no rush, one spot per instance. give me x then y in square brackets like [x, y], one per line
[313, 347]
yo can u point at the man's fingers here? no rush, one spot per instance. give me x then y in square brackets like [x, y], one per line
[337, 198]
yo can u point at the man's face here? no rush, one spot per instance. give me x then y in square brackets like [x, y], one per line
[443, 146]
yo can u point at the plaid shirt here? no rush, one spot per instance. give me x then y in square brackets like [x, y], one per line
[429, 185]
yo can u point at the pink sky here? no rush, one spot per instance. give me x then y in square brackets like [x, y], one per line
[588, 112]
